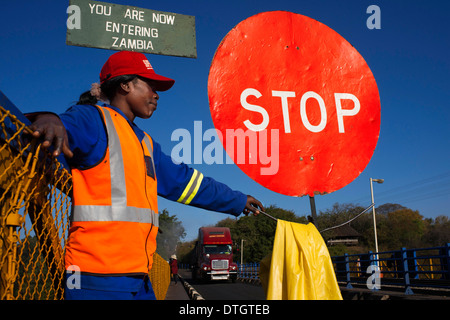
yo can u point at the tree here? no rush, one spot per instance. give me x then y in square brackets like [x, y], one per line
[171, 233]
[438, 231]
[338, 214]
[389, 207]
[404, 228]
[257, 231]
[184, 252]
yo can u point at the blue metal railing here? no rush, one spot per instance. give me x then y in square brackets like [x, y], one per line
[184, 265]
[427, 267]
[405, 268]
[249, 271]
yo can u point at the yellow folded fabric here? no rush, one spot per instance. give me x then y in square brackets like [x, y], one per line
[300, 266]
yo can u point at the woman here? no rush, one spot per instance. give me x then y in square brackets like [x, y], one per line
[118, 170]
[174, 268]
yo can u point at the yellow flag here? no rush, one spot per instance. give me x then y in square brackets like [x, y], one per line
[301, 267]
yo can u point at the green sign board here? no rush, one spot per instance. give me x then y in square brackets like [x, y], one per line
[117, 27]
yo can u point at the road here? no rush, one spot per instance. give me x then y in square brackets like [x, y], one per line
[223, 290]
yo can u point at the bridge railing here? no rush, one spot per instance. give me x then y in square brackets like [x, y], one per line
[249, 271]
[426, 267]
[405, 268]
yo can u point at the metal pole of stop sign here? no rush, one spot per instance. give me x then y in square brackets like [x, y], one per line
[312, 203]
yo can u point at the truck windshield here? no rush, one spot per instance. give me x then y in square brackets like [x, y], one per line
[217, 249]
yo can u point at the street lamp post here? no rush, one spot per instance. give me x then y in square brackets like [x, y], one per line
[373, 212]
[242, 250]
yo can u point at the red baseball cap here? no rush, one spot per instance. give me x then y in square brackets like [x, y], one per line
[129, 62]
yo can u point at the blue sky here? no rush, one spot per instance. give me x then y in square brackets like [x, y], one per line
[408, 57]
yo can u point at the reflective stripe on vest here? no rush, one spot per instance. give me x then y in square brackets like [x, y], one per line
[107, 213]
[118, 192]
[114, 219]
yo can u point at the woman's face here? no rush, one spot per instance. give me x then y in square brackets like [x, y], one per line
[142, 99]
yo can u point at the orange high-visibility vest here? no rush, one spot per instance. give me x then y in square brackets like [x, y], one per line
[114, 220]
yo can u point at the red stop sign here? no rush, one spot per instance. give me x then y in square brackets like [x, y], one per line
[296, 106]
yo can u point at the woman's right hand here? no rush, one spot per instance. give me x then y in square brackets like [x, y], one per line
[51, 128]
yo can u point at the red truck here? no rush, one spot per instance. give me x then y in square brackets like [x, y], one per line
[213, 255]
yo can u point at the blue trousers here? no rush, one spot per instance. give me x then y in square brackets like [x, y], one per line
[144, 293]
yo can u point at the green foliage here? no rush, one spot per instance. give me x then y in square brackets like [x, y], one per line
[438, 231]
[258, 233]
[403, 228]
[171, 233]
[185, 251]
[338, 250]
[397, 227]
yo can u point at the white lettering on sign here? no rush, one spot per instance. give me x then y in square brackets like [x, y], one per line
[134, 14]
[124, 43]
[124, 29]
[132, 30]
[284, 95]
[163, 18]
[304, 115]
[252, 107]
[345, 112]
[100, 9]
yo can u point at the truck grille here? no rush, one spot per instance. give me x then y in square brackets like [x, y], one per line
[219, 264]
